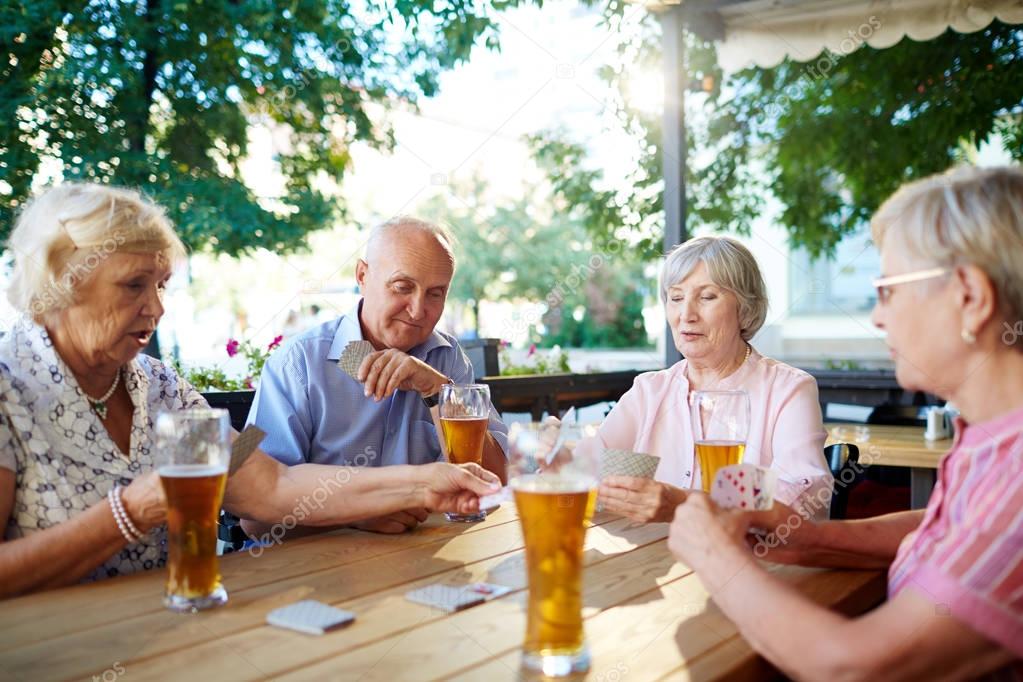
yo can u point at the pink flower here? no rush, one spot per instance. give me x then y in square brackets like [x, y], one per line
[232, 347]
[248, 382]
[532, 349]
[276, 342]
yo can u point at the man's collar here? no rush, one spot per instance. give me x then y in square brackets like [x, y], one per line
[350, 329]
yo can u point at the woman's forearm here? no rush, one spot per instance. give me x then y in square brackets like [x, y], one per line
[862, 543]
[774, 618]
[269, 492]
[60, 555]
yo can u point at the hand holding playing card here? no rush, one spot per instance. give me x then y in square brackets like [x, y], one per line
[746, 487]
[386, 371]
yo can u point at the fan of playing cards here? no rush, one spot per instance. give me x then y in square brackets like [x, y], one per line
[744, 486]
[353, 355]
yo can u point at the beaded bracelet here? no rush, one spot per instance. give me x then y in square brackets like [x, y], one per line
[124, 524]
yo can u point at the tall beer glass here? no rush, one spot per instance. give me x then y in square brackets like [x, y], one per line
[555, 493]
[464, 417]
[193, 453]
[720, 426]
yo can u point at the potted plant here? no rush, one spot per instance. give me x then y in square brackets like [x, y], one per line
[234, 395]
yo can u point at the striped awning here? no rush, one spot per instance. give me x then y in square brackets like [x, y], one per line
[765, 32]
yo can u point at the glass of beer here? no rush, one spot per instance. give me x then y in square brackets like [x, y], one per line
[464, 418]
[555, 493]
[720, 426]
[193, 453]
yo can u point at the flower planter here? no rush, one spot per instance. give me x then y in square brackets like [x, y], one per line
[237, 403]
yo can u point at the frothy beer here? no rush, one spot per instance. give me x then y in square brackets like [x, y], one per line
[554, 511]
[464, 437]
[194, 495]
[713, 455]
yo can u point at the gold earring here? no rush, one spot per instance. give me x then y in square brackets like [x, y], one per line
[968, 337]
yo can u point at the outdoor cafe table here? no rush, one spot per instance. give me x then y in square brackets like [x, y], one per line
[647, 617]
[902, 446]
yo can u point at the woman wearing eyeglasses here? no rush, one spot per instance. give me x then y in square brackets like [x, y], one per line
[951, 254]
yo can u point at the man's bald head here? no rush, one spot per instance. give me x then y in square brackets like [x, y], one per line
[402, 227]
[404, 281]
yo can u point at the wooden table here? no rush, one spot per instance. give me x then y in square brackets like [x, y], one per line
[903, 446]
[647, 616]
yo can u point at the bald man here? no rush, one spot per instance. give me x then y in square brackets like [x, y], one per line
[314, 412]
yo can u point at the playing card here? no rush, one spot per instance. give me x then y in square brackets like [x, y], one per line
[495, 500]
[244, 445]
[449, 598]
[626, 463]
[309, 616]
[744, 486]
[353, 355]
[489, 590]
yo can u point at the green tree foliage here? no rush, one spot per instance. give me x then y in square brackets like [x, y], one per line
[160, 95]
[830, 139]
[530, 249]
[607, 312]
[507, 249]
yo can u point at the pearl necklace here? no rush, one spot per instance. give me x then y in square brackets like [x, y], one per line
[100, 404]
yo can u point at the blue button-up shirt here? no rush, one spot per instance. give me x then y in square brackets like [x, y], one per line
[312, 411]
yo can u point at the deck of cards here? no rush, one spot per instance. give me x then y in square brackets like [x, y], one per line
[453, 598]
[310, 617]
[627, 463]
[353, 355]
[744, 486]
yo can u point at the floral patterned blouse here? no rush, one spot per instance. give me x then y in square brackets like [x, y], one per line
[63, 458]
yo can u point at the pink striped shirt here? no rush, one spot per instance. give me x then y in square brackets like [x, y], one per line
[967, 554]
[786, 432]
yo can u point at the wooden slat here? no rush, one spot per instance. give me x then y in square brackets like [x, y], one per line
[647, 617]
[477, 635]
[676, 632]
[154, 632]
[34, 618]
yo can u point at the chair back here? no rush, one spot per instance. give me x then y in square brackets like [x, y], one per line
[843, 461]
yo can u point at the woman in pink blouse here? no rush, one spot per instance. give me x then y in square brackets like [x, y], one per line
[951, 301]
[715, 301]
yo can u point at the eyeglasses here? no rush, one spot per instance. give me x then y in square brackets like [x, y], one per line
[884, 284]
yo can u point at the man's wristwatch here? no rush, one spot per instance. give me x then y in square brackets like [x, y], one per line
[433, 399]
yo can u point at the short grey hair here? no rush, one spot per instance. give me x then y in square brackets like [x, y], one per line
[67, 232]
[967, 216]
[403, 224]
[731, 266]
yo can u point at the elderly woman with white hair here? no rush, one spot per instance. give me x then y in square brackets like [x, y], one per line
[79, 498]
[950, 300]
[715, 301]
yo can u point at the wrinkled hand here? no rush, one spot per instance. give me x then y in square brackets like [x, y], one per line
[781, 534]
[701, 528]
[640, 499]
[398, 522]
[385, 371]
[456, 487]
[144, 501]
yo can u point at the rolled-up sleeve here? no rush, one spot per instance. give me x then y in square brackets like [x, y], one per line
[456, 366]
[281, 409]
[804, 479]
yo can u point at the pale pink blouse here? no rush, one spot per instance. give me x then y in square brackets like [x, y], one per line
[786, 429]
